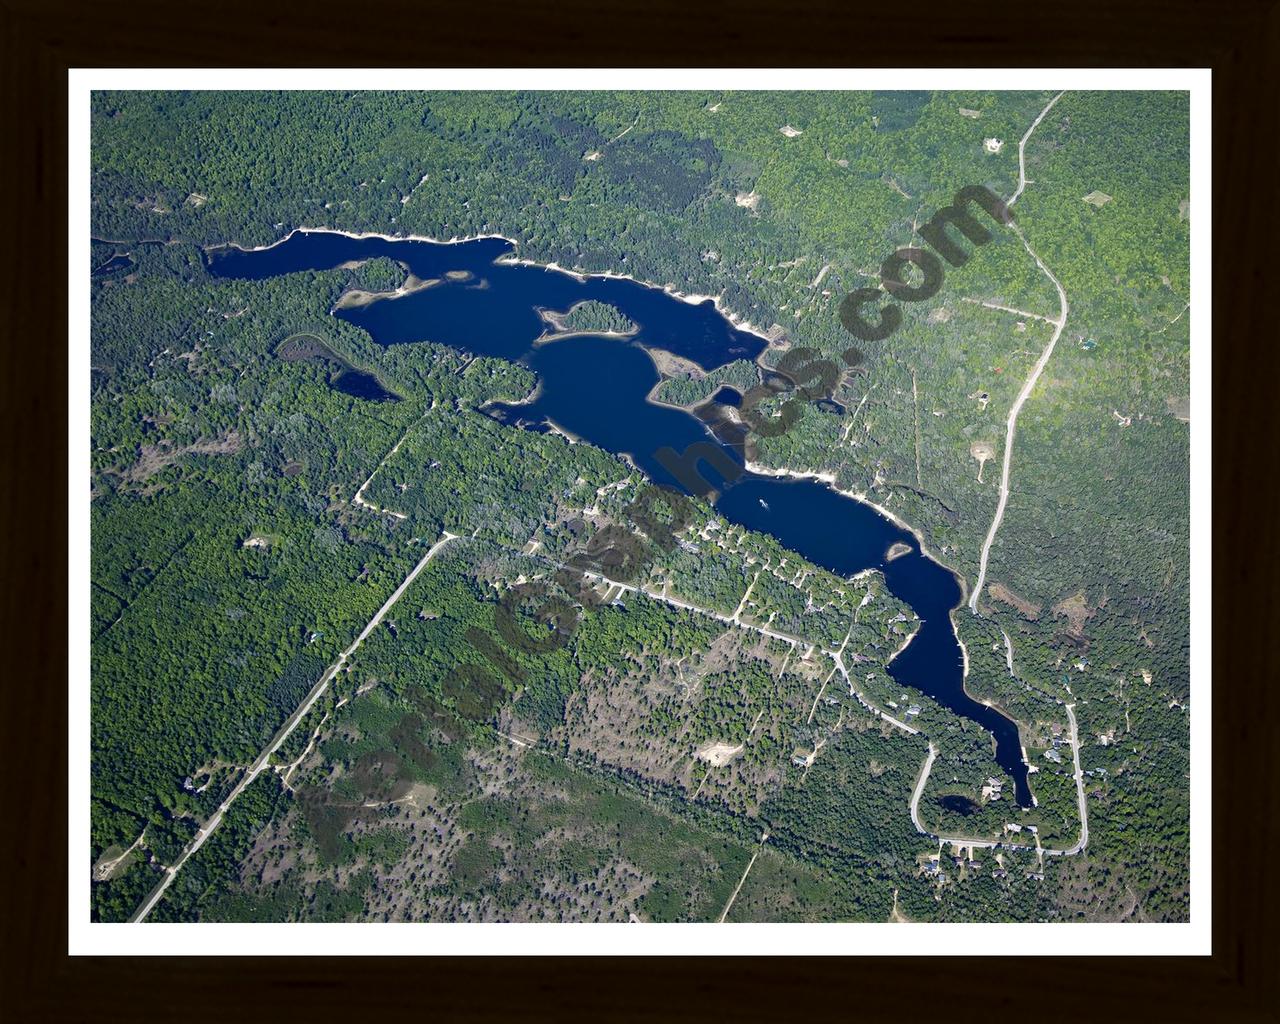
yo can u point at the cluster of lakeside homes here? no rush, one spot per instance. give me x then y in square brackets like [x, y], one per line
[913, 710]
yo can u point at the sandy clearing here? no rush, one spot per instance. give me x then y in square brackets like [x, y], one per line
[718, 754]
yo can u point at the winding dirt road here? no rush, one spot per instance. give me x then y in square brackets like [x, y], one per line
[1012, 423]
[1071, 851]
[915, 793]
[1083, 841]
[360, 499]
[1022, 150]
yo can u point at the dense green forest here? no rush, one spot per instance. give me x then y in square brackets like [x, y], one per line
[232, 563]
[593, 317]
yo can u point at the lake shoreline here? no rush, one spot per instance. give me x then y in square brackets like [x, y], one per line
[738, 321]
[828, 478]
[354, 298]
[585, 399]
[663, 367]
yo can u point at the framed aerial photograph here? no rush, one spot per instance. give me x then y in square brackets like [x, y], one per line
[642, 498]
[573, 529]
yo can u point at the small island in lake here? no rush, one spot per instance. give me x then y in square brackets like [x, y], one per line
[897, 551]
[588, 317]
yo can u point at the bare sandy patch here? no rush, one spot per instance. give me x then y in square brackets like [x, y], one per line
[114, 860]
[896, 550]
[672, 365]
[152, 458]
[359, 297]
[718, 754]
[1027, 609]
[1077, 612]
[982, 451]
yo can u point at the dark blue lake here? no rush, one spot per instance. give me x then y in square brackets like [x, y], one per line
[596, 388]
[359, 384]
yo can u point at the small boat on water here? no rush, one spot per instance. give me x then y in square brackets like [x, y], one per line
[763, 504]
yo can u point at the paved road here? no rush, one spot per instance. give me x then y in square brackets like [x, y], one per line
[675, 602]
[839, 660]
[283, 734]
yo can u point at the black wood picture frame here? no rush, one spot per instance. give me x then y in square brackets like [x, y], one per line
[1239, 39]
